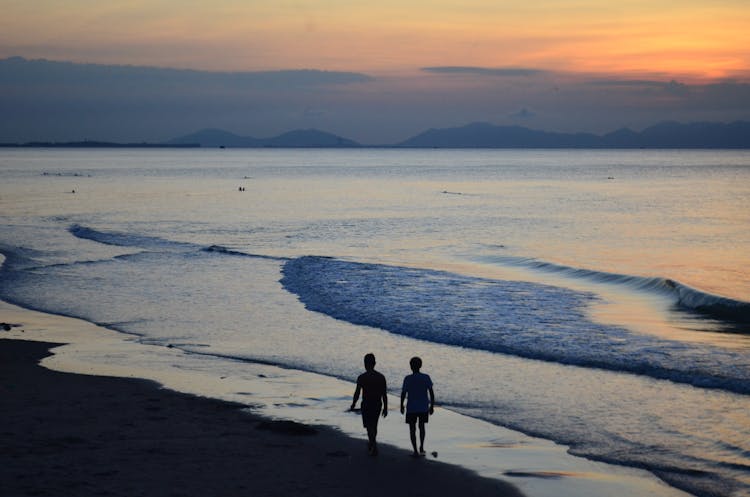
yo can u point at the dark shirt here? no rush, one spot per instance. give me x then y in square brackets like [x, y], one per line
[373, 388]
[416, 387]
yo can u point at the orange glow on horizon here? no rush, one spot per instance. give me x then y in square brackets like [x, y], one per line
[698, 40]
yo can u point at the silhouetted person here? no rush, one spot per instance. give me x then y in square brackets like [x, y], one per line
[374, 400]
[417, 386]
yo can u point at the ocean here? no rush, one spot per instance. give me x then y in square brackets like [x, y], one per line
[599, 299]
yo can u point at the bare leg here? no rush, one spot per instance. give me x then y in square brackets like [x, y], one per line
[422, 433]
[413, 436]
[372, 434]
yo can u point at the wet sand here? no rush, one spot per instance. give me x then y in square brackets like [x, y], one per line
[78, 435]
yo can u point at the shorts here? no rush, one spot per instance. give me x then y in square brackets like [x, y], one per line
[412, 417]
[371, 415]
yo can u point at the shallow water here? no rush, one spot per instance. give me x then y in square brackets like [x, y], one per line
[594, 298]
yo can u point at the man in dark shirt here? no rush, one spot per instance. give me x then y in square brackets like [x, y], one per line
[372, 385]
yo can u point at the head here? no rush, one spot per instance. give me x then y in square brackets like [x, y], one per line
[416, 364]
[370, 362]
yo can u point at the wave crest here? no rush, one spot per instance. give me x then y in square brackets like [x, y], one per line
[511, 317]
[683, 296]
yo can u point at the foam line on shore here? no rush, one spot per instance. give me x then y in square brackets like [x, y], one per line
[316, 399]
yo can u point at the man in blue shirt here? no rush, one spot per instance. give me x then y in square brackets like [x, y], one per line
[374, 398]
[416, 388]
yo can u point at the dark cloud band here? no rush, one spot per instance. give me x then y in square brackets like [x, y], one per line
[485, 71]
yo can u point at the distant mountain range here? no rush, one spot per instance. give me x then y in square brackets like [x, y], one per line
[484, 135]
[664, 135]
[476, 135]
[301, 138]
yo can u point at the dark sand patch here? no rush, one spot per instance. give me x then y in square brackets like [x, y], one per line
[76, 435]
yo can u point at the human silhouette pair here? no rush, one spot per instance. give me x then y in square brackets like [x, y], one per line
[416, 390]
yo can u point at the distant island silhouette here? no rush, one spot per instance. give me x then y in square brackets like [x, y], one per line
[300, 138]
[485, 135]
[97, 144]
[701, 135]
[663, 135]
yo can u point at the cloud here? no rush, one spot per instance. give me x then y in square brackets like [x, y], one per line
[313, 113]
[47, 100]
[672, 87]
[17, 70]
[486, 71]
[523, 114]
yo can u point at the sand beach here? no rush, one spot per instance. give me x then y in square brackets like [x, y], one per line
[80, 435]
[110, 432]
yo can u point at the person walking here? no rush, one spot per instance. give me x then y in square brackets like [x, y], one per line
[417, 391]
[373, 387]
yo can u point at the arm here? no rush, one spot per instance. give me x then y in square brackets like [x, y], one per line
[356, 397]
[385, 400]
[403, 397]
[432, 400]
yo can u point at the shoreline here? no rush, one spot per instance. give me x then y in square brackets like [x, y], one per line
[98, 435]
[497, 460]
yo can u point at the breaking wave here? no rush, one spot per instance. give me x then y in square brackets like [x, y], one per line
[519, 318]
[683, 296]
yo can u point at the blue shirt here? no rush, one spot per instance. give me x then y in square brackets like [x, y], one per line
[417, 386]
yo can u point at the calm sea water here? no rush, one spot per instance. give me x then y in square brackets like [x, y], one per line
[595, 298]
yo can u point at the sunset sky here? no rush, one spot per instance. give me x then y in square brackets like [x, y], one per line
[645, 60]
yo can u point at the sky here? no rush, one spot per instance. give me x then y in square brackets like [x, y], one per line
[562, 65]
